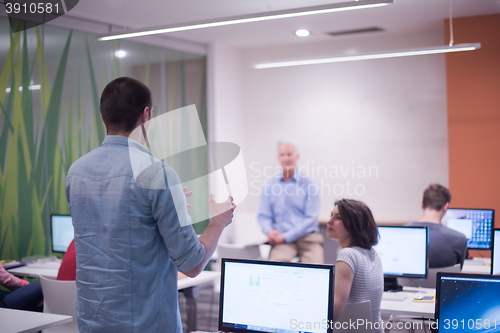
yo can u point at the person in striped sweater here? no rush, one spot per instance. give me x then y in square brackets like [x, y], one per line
[22, 295]
[358, 273]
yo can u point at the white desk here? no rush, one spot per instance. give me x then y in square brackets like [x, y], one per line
[423, 309]
[34, 270]
[408, 307]
[14, 321]
[51, 268]
[204, 277]
[477, 266]
[188, 287]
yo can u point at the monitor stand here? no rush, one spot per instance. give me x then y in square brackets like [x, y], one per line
[391, 284]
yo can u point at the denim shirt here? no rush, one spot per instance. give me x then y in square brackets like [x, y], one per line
[290, 207]
[129, 244]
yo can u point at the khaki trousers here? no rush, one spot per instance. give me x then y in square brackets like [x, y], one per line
[308, 248]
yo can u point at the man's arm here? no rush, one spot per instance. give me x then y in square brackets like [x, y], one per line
[68, 186]
[265, 215]
[463, 254]
[187, 252]
[343, 282]
[10, 281]
[210, 237]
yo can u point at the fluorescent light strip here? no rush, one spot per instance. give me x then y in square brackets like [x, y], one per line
[394, 54]
[252, 18]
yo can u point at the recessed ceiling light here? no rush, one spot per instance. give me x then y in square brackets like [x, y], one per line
[302, 33]
[120, 53]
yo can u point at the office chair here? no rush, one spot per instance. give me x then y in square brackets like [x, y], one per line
[352, 313]
[60, 298]
[430, 282]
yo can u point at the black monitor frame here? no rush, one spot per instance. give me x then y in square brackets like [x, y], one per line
[460, 275]
[492, 227]
[52, 232]
[416, 276]
[225, 328]
[493, 250]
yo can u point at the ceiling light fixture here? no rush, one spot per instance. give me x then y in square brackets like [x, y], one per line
[302, 33]
[392, 54]
[250, 18]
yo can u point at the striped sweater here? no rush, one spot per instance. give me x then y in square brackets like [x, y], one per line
[9, 281]
[368, 282]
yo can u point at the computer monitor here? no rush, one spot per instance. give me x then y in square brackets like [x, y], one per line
[265, 296]
[467, 302]
[495, 254]
[475, 224]
[403, 251]
[61, 232]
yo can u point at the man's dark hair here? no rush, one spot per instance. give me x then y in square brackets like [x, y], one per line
[358, 220]
[122, 102]
[436, 196]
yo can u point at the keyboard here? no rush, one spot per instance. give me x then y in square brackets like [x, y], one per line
[394, 296]
[47, 265]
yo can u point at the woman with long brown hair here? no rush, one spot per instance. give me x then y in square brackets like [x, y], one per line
[358, 272]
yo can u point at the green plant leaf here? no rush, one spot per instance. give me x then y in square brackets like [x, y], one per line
[95, 97]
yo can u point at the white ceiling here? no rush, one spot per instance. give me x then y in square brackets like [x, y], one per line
[404, 16]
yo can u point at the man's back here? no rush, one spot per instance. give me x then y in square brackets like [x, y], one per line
[126, 274]
[447, 247]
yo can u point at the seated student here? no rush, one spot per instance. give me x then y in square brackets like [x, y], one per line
[358, 272]
[23, 295]
[67, 271]
[447, 247]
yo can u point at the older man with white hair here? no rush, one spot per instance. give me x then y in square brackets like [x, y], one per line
[289, 211]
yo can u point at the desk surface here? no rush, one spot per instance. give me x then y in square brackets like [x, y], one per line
[409, 307]
[424, 309]
[13, 321]
[50, 269]
[204, 277]
[477, 266]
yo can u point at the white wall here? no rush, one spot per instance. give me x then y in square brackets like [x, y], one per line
[226, 79]
[387, 114]
[226, 119]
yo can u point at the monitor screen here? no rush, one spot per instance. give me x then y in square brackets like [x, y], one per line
[265, 296]
[403, 251]
[468, 302]
[61, 232]
[475, 224]
[495, 254]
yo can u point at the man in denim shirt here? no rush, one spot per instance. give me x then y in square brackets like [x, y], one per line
[129, 239]
[288, 212]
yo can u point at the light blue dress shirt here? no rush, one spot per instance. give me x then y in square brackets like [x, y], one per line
[290, 207]
[129, 244]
